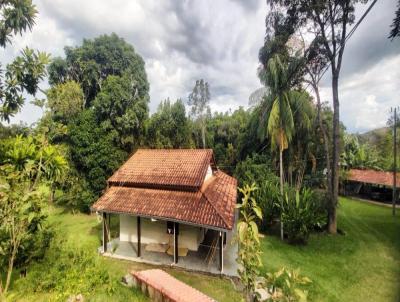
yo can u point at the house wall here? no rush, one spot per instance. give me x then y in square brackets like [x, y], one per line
[209, 173]
[156, 232]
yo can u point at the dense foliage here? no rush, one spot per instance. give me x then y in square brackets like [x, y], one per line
[249, 255]
[73, 272]
[91, 63]
[286, 285]
[25, 165]
[169, 127]
[302, 212]
[22, 76]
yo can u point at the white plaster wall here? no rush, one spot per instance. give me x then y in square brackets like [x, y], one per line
[209, 173]
[156, 232]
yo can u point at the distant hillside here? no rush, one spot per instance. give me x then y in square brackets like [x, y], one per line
[374, 137]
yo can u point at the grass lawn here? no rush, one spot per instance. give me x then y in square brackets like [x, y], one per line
[362, 265]
[84, 231]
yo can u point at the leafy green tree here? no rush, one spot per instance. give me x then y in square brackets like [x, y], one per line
[199, 100]
[24, 166]
[16, 17]
[279, 109]
[91, 63]
[119, 107]
[249, 257]
[93, 151]
[329, 21]
[20, 210]
[169, 126]
[21, 76]
[65, 101]
[225, 135]
[27, 70]
[356, 155]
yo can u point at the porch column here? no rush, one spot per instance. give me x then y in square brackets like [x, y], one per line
[221, 251]
[105, 236]
[138, 228]
[176, 250]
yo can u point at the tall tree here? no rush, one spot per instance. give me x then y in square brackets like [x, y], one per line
[329, 20]
[169, 127]
[119, 107]
[65, 101]
[315, 65]
[279, 108]
[93, 150]
[91, 63]
[27, 70]
[24, 165]
[199, 100]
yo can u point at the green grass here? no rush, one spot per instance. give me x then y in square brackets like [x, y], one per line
[362, 265]
[82, 230]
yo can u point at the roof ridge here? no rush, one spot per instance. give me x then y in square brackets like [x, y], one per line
[213, 206]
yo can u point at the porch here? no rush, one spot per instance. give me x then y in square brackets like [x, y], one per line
[208, 258]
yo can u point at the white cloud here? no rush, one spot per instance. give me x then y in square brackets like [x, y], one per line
[366, 97]
[182, 41]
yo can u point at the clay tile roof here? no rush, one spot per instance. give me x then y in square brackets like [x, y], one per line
[171, 288]
[373, 177]
[212, 204]
[166, 168]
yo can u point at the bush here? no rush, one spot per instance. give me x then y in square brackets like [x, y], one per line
[302, 211]
[286, 285]
[68, 271]
[256, 169]
[267, 196]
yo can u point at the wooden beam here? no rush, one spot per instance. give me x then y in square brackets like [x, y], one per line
[139, 239]
[221, 251]
[176, 245]
[105, 236]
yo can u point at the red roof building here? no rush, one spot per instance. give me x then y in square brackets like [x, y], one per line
[157, 190]
[374, 177]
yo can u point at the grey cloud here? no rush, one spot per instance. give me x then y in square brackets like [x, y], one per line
[250, 5]
[369, 44]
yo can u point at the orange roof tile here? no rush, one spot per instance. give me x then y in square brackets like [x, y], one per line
[170, 287]
[165, 168]
[373, 177]
[152, 193]
[215, 207]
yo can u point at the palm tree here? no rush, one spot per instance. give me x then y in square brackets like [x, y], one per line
[280, 107]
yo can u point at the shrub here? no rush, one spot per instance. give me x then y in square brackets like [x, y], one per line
[249, 256]
[301, 213]
[256, 169]
[267, 196]
[286, 285]
[68, 271]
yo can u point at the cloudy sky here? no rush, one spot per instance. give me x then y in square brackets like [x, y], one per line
[182, 41]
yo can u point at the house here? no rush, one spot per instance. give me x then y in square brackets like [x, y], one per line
[174, 206]
[371, 184]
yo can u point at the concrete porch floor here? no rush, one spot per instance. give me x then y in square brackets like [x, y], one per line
[194, 261]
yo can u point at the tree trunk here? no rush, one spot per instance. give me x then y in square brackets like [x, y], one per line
[326, 143]
[10, 269]
[281, 184]
[203, 134]
[332, 223]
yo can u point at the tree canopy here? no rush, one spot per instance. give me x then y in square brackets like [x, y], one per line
[22, 76]
[91, 63]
